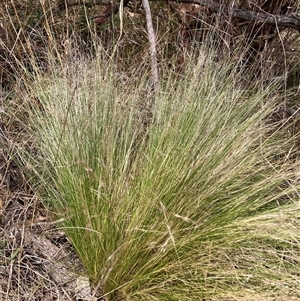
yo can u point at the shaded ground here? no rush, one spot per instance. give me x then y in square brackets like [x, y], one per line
[37, 262]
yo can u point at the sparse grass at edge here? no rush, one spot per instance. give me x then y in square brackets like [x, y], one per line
[195, 201]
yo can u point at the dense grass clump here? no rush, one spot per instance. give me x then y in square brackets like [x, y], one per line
[185, 196]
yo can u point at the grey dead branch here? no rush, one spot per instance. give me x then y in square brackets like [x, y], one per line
[152, 44]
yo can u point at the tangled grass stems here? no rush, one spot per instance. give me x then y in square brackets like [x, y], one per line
[184, 208]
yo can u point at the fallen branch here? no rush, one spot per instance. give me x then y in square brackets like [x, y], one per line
[292, 21]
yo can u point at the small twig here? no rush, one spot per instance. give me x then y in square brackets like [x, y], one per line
[110, 11]
[3, 134]
[291, 112]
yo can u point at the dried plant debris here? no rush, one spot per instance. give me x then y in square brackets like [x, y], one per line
[37, 262]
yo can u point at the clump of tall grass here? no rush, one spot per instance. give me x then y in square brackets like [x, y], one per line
[197, 203]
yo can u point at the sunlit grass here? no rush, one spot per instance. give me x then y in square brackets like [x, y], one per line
[195, 203]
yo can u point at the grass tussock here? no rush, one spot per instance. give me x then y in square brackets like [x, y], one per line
[195, 201]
